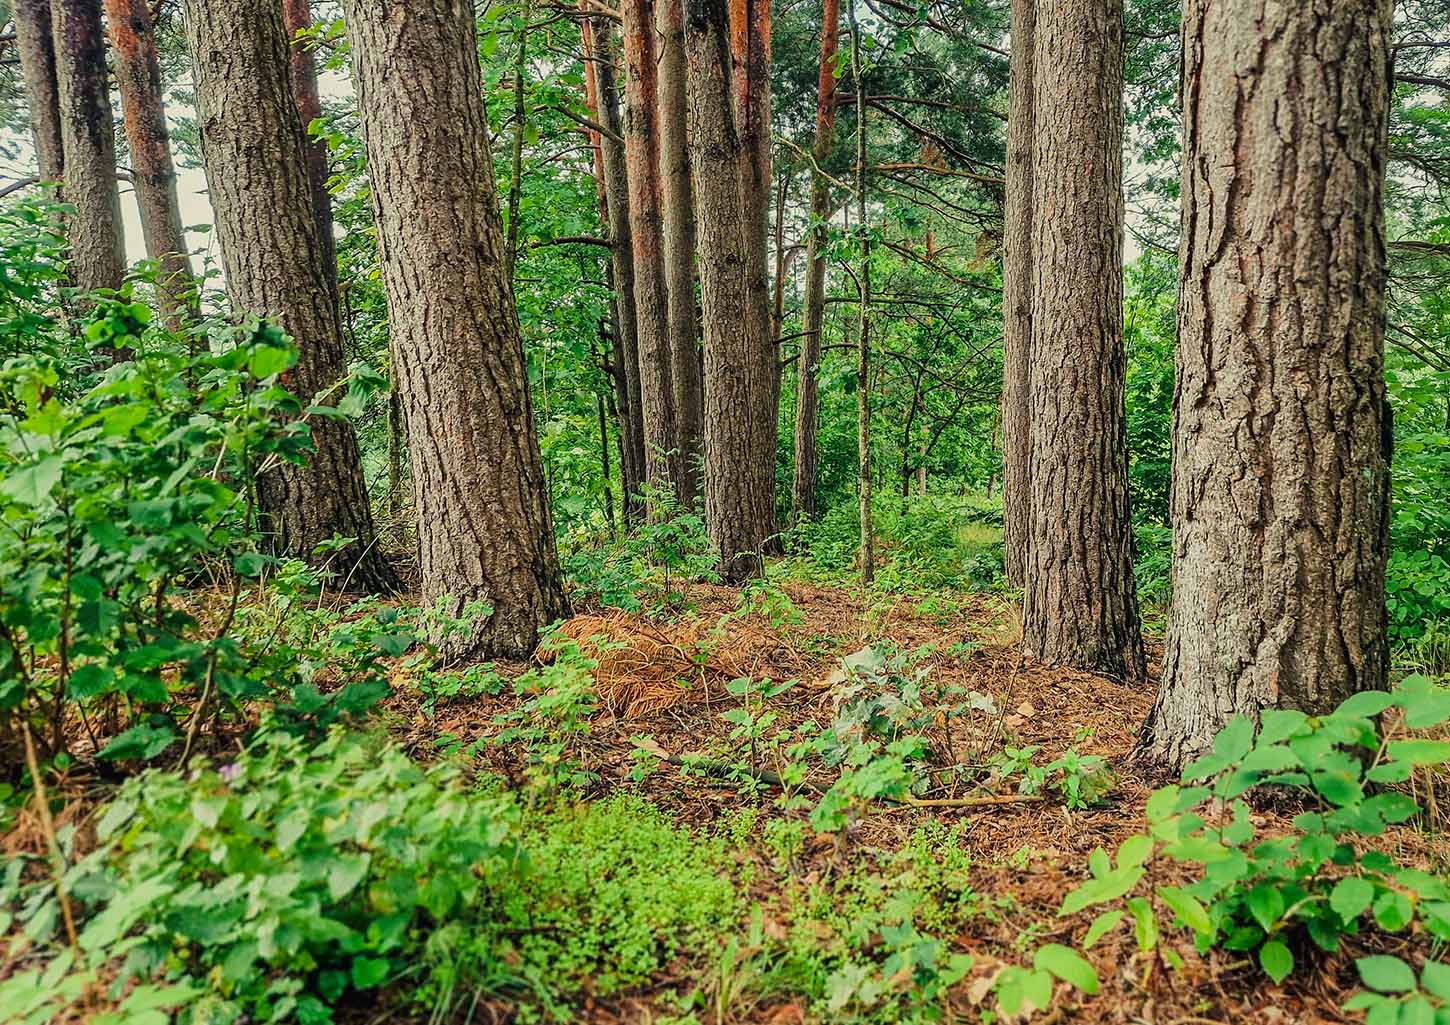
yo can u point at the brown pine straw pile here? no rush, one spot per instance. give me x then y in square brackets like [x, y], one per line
[646, 667]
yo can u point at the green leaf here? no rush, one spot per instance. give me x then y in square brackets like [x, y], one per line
[1101, 926]
[1416, 1011]
[1145, 925]
[1276, 960]
[345, 872]
[1385, 973]
[1435, 979]
[1235, 739]
[1351, 897]
[1266, 904]
[267, 360]
[32, 485]
[1187, 908]
[368, 972]
[1067, 965]
[1392, 911]
[139, 742]
[1420, 752]
[1366, 704]
[1133, 851]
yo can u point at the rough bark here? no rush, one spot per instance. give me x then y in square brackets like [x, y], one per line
[740, 367]
[153, 175]
[1080, 606]
[275, 267]
[679, 247]
[599, 46]
[97, 249]
[750, 29]
[1017, 299]
[484, 528]
[646, 221]
[808, 400]
[302, 67]
[1281, 430]
[36, 48]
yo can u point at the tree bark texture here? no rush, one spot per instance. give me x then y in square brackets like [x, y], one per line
[740, 369]
[153, 174]
[302, 67]
[808, 399]
[484, 527]
[1017, 299]
[97, 248]
[599, 52]
[646, 221]
[750, 31]
[1080, 605]
[867, 555]
[34, 42]
[1281, 431]
[275, 267]
[679, 247]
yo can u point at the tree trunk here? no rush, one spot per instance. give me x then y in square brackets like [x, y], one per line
[274, 265]
[1281, 430]
[599, 55]
[646, 221]
[1017, 300]
[516, 149]
[739, 354]
[679, 239]
[35, 43]
[138, 78]
[478, 479]
[297, 16]
[863, 322]
[1080, 605]
[808, 400]
[97, 248]
[750, 28]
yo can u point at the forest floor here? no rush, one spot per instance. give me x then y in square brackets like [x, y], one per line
[663, 685]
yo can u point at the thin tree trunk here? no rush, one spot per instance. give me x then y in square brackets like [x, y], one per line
[296, 17]
[1017, 300]
[484, 527]
[646, 221]
[599, 55]
[863, 324]
[808, 402]
[679, 240]
[516, 149]
[1281, 433]
[1080, 608]
[138, 78]
[739, 354]
[256, 172]
[35, 43]
[97, 248]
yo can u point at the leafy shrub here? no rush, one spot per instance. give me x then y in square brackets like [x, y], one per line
[277, 884]
[1320, 882]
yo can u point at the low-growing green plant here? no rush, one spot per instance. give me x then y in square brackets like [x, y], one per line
[550, 725]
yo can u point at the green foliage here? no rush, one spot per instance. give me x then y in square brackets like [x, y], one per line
[273, 885]
[1320, 882]
[550, 725]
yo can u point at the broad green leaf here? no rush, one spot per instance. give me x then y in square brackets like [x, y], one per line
[1351, 897]
[1420, 752]
[1068, 965]
[31, 485]
[1187, 908]
[1385, 974]
[1235, 739]
[1435, 979]
[1101, 926]
[1276, 960]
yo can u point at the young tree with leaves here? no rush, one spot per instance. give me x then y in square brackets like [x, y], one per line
[485, 531]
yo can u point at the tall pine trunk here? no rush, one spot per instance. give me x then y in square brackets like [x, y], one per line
[275, 267]
[138, 79]
[1080, 605]
[867, 554]
[302, 67]
[478, 479]
[739, 353]
[808, 400]
[646, 222]
[599, 55]
[1281, 431]
[679, 251]
[1017, 299]
[34, 41]
[97, 248]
